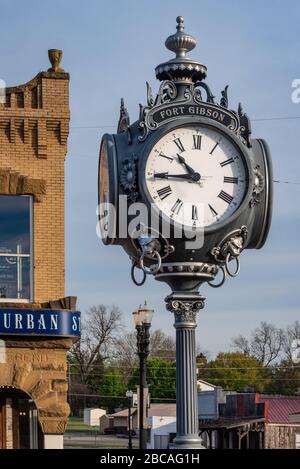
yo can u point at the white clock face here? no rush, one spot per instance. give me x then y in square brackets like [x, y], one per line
[196, 176]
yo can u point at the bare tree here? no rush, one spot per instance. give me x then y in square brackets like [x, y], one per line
[98, 332]
[161, 345]
[241, 344]
[265, 343]
[291, 333]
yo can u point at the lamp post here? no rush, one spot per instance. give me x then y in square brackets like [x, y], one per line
[129, 395]
[142, 319]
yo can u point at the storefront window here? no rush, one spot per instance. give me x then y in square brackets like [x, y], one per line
[15, 247]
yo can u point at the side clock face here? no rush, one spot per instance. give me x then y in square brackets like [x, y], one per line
[106, 193]
[196, 176]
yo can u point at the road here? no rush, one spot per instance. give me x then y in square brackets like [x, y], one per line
[94, 440]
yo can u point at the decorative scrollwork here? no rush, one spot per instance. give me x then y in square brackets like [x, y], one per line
[167, 92]
[185, 310]
[224, 99]
[128, 177]
[258, 187]
[124, 120]
[210, 98]
[245, 127]
[150, 100]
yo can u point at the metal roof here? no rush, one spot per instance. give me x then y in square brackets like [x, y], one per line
[278, 408]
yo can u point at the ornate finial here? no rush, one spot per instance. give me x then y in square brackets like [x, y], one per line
[181, 42]
[181, 68]
[124, 120]
[55, 56]
[180, 23]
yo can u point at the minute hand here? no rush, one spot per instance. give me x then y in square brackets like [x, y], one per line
[189, 177]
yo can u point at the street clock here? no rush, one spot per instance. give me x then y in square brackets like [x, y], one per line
[184, 190]
[192, 162]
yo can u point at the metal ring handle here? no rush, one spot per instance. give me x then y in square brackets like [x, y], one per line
[138, 284]
[157, 268]
[217, 285]
[232, 274]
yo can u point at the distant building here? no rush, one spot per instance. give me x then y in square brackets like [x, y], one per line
[92, 416]
[282, 425]
[161, 421]
[248, 420]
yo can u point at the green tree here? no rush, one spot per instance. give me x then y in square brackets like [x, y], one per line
[112, 390]
[235, 371]
[161, 378]
[284, 379]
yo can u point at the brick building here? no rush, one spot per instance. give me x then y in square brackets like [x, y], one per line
[38, 324]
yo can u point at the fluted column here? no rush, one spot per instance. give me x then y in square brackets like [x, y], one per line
[185, 307]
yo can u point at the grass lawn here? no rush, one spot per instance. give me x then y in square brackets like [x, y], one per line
[75, 424]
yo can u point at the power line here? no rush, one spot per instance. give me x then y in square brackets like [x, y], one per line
[256, 119]
[198, 364]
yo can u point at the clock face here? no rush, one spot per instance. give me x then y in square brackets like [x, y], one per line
[104, 192]
[196, 176]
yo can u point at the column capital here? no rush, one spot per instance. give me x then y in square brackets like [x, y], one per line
[185, 306]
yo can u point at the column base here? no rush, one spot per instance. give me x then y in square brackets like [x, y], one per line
[53, 441]
[181, 442]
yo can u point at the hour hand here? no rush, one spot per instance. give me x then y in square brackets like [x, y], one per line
[182, 161]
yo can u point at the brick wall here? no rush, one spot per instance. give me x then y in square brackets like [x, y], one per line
[34, 127]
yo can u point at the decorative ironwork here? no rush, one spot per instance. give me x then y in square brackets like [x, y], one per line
[168, 107]
[128, 177]
[181, 68]
[185, 311]
[259, 185]
[231, 246]
[224, 99]
[124, 120]
[197, 96]
[245, 127]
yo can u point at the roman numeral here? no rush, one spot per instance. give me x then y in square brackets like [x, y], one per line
[214, 213]
[194, 212]
[197, 142]
[226, 162]
[164, 192]
[177, 206]
[211, 152]
[231, 180]
[165, 156]
[226, 197]
[179, 144]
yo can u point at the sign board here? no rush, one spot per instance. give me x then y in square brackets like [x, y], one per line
[43, 322]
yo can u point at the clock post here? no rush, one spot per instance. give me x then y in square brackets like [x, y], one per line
[206, 187]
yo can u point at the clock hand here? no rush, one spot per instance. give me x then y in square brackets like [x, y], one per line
[190, 177]
[182, 161]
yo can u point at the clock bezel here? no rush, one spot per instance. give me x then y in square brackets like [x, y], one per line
[109, 140]
[198, 121]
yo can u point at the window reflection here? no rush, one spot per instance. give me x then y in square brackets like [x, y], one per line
[15, 247]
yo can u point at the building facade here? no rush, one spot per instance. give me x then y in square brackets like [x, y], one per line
[38, 324]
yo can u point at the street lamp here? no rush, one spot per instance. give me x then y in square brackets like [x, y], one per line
[129, 395]
[142, 320]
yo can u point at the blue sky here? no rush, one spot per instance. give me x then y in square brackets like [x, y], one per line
[111, 49]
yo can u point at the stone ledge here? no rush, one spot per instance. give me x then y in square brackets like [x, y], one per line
[14, 183]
